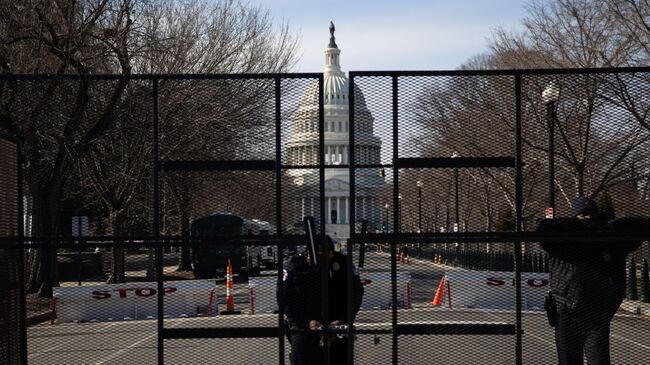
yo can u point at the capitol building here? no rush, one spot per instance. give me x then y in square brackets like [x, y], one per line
[302, 149]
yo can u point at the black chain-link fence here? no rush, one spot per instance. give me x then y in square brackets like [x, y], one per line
[12, 301]
[180, 219]
[470, 163]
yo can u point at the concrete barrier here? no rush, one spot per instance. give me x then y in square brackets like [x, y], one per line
[377, 292]
[494, 289]
[133, 301]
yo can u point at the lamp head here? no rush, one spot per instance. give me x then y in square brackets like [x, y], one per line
[551, 93]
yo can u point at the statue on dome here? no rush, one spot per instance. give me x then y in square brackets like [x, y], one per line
[332, 43]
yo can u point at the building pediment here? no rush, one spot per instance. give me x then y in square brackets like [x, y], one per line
[336, 185]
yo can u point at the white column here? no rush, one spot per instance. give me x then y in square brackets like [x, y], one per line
[328, 159]
[338, 210]
[363, 208]
[345, 155]
[338, 158]
[328, 211]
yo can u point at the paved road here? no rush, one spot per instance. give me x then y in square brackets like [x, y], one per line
[134, 342]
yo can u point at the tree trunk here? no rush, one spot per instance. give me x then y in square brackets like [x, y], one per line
[184, 258]
[580, 176]
[118, 274]
[43, 269]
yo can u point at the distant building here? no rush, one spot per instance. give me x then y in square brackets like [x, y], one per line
[302, 150]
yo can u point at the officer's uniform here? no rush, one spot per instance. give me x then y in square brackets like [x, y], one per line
[300, 293]
[301, 296]
[587, 286]
[338, 303]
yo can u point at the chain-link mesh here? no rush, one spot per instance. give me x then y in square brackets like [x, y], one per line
[235, 148]
[12, 307]
[455, 157]
[254, 171]
[588, 134]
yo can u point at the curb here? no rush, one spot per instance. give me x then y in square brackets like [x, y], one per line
[636, 307]
[39, 318]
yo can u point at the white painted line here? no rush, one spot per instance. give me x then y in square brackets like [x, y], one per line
[541, 339]
[118, 353]
[64, 343]
[630, 341]
[528, 333]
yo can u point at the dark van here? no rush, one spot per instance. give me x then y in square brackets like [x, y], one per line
[210, 254]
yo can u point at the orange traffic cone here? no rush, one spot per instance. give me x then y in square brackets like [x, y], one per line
[437, 299]
[230, 299]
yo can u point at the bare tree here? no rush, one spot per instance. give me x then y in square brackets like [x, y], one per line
[632, 17]
[53, 118]
[61, 122]
[118, 163]
[580, 33]
[213, 119]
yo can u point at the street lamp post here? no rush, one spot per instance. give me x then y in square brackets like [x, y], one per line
[550, 96]
[456, 226]
[399, 212]
[456, 215]
[419, 184]
[385, 217]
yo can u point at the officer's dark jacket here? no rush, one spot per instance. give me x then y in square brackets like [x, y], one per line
[589, 278]
[300, 291]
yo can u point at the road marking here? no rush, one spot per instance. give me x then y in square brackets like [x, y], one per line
[75, 340]
[118, 353]
[527, 333]
[541, 339]
[630, 341]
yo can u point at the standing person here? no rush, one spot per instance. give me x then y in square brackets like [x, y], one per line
[587, 282]
[301, 296]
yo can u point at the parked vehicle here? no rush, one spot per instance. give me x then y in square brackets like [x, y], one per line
[223, 239]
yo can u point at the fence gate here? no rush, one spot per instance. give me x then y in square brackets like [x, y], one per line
[449, 173]
[257, 155]
[411, 186]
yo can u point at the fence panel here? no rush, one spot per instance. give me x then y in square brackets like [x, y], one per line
[164, 211]
[12, 305]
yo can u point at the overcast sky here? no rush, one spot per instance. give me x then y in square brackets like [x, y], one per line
[395, 35]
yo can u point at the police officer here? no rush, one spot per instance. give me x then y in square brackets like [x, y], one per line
[301, 296]
[587, 282]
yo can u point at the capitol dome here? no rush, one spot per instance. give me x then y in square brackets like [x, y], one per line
[302, 150]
